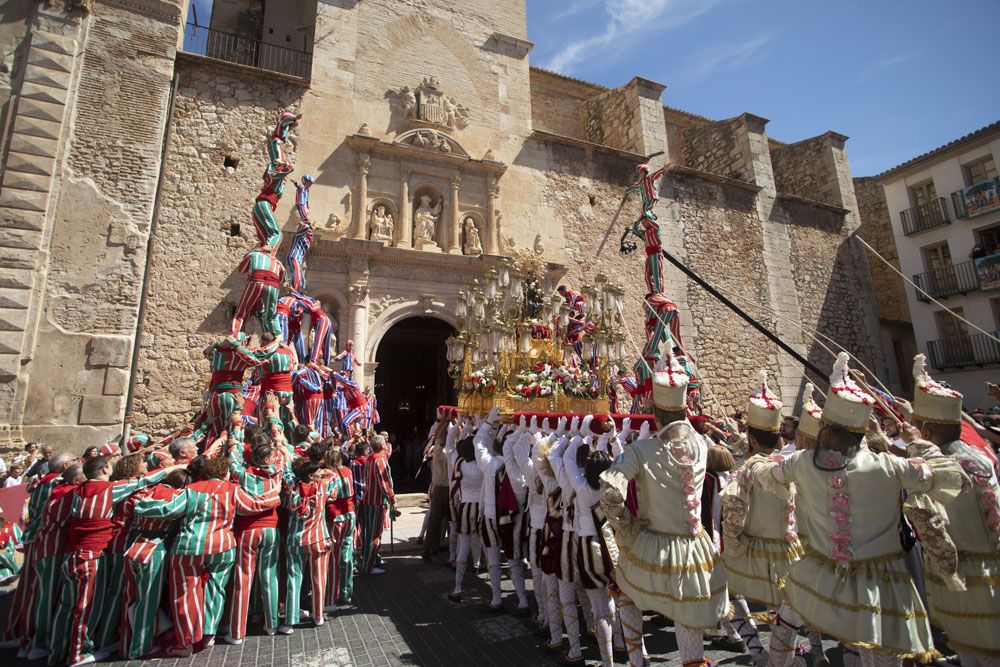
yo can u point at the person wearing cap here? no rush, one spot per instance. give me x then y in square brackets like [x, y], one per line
[809, 422]
[667, 561]
[852, 583]
[968, 616]
[758, 525]
[230, 360]
[303, 238]
[111, 451]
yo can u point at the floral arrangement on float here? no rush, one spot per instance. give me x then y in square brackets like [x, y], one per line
[482, 382]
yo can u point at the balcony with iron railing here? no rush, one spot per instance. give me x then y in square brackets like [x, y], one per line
[204, 41]
[963, 351]
[925, 215]
[948, 281]
[977, 199]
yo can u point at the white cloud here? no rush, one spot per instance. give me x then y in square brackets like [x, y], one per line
[572, 7]
[884, 63]
[723, 58]
[627, 18]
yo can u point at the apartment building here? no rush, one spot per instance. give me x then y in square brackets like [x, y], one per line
[944, 207]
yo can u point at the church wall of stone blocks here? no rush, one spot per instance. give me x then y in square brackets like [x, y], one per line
[435, 149]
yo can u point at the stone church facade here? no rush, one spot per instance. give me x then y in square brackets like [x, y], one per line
[131, 157]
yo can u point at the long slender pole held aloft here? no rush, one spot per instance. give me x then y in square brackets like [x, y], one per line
[749, 320]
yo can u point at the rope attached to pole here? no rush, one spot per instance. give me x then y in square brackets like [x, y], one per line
[744, 316]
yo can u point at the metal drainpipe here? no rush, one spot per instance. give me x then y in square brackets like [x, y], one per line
[139, 327]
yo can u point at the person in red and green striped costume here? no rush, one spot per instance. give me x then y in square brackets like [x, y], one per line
[230, 360]
[264, 276]
[203, 552]
[276, 378]
[256, 535]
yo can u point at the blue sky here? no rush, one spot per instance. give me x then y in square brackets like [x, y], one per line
[899, 78]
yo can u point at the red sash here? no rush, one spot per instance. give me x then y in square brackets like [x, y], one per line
[265, 277]
[270, 197]
[281, 381]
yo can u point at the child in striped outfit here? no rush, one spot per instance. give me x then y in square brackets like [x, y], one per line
[10, 537]
[308, 488]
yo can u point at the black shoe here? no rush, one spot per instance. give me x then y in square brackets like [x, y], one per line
[541, 632]
[499, 609]
[455, 597]
[521, 611]
[566, 660]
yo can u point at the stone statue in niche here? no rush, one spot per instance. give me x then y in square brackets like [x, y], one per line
[473, 244]
[539, 244]
[382, 224]
[425, 219]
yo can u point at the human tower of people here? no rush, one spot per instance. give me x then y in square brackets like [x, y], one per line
[252, 503]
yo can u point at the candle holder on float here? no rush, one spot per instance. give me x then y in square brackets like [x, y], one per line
[512, 351]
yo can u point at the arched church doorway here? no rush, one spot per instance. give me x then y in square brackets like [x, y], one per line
[411, 381]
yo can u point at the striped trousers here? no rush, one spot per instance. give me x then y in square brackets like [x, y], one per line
[654, 270]
[46, 588]
[322, 333]
[342, 560]
[21, 619]
[198, 590]
[144, 578]
[266, 225]
[261, 299]
[371, 519]
[317, 557]
[218, 412]
[82, 589]
[297, 272]
[311, 412]
[106, 628]
[255, 548]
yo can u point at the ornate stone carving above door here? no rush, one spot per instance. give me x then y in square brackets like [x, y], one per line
[427, 105]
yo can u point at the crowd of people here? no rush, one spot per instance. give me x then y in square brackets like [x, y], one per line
[113, 540]
[833, 524]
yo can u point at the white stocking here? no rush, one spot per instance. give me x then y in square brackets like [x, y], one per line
[748, 633]
[539, 583]
[604, 611]
[453, 541]
[588, 613]
[631, 629]
[730, 631]
[461, 560]
[553, 612]
[477, 551]
[690, 644]
[783, 637]
[517, 576]
[567, 603]
[493, 563]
